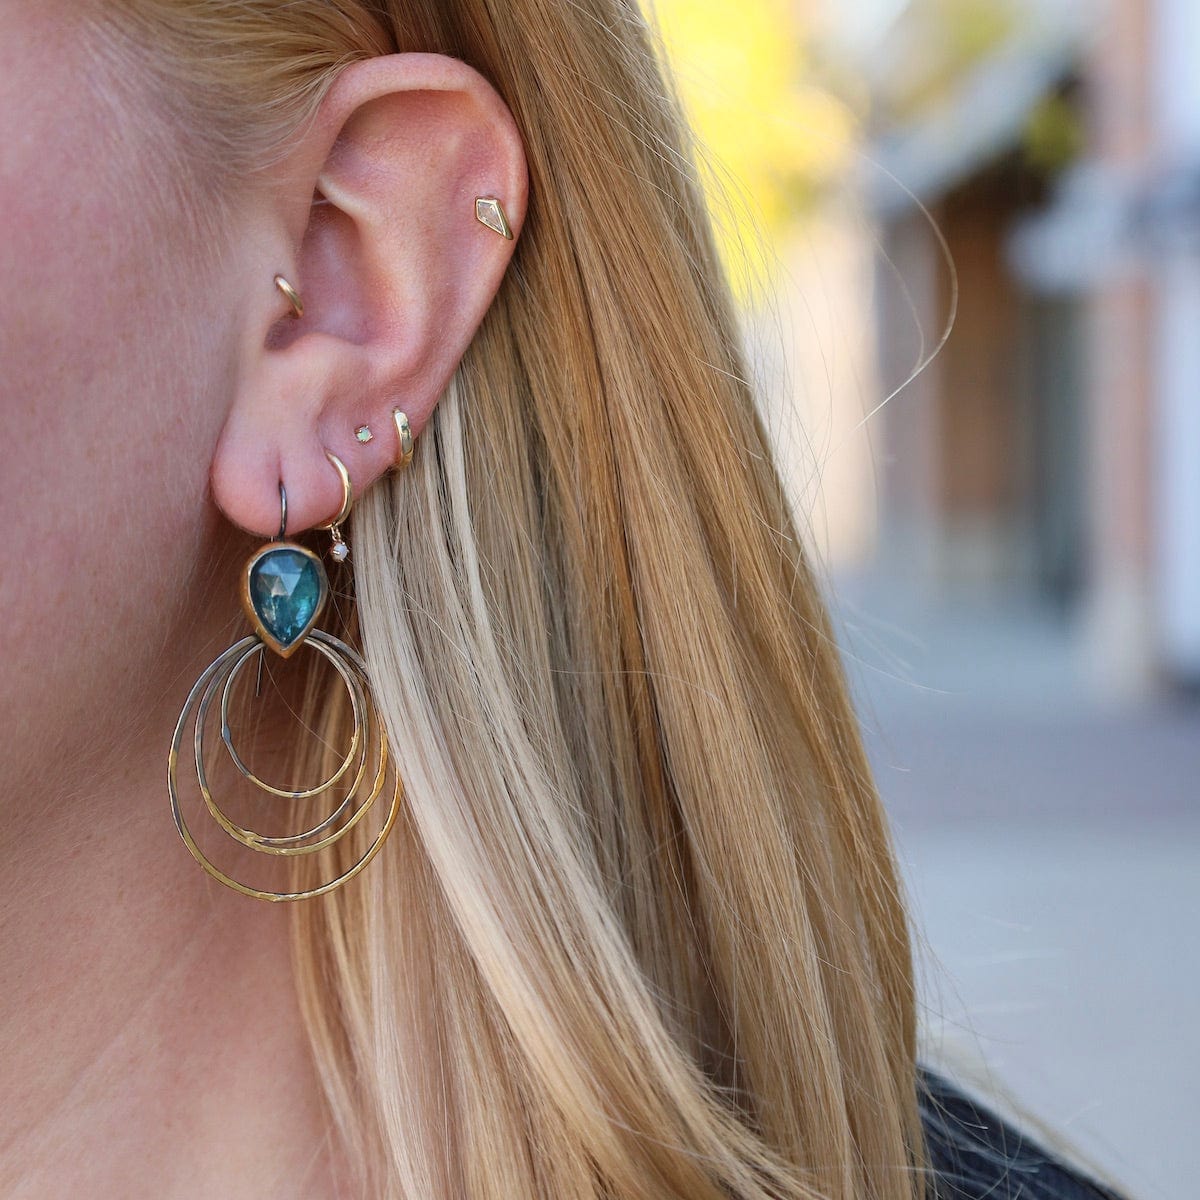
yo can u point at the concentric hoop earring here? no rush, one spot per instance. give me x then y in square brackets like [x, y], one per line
[284, 590]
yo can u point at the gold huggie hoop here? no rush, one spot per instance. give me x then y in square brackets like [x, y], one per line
[404, 435]
[293, 296]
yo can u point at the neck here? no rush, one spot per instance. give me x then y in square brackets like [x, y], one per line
[149, 1031]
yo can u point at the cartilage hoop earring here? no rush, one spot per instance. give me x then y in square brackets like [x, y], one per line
[293, 296]
[404, 439]
[284, 590]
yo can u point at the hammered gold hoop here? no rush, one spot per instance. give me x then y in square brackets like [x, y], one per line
[220, 675]
[357, 701]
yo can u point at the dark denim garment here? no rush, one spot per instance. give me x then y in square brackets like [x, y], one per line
[976, 1155]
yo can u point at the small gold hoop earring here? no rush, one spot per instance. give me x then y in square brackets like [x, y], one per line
[339, 549]
[293, 296]
[404, 436]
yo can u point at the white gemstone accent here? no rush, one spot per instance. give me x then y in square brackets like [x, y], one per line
[340, 551]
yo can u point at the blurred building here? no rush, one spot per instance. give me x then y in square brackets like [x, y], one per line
[1050, 453]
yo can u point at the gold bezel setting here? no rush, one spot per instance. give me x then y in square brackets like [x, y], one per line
[269, 639]
[489, 212]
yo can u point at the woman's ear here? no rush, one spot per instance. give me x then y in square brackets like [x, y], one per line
[372, 218]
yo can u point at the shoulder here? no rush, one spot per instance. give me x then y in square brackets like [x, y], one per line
[976, 1154]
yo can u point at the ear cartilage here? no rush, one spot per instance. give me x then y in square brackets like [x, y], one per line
[488, 212]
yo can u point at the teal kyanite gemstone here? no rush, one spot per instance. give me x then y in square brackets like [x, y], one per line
[286, 589]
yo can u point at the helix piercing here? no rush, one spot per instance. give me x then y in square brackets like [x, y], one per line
[489, 212]
[404, 435]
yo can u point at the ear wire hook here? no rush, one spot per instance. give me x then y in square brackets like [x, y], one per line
[279, 538]
[282, 513]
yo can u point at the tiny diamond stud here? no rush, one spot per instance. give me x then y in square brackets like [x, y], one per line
[364, 434]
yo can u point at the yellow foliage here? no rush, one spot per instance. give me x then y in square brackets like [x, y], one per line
[772, 135]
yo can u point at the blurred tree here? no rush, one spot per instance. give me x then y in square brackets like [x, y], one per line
[1054, 134]
[772, 136]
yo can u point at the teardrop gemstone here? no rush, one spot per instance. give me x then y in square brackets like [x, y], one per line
[285, 589]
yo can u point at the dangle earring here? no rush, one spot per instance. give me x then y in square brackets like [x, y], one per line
[284, 589]
[339, 551]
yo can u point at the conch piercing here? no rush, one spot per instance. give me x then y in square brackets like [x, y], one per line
[363, 434]
[284, 590]
[489, 212]
[293, 296]
[404, 437]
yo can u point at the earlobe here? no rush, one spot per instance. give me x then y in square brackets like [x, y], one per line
[419, 166]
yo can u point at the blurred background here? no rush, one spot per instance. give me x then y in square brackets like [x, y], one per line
[966, 236]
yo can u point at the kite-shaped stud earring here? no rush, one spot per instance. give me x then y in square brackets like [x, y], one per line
[488, 212]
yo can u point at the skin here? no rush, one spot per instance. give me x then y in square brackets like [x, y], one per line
[152, 399]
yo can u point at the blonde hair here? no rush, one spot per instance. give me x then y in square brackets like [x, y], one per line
[639, 931]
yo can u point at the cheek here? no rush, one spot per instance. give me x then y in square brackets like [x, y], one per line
[111, 396]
